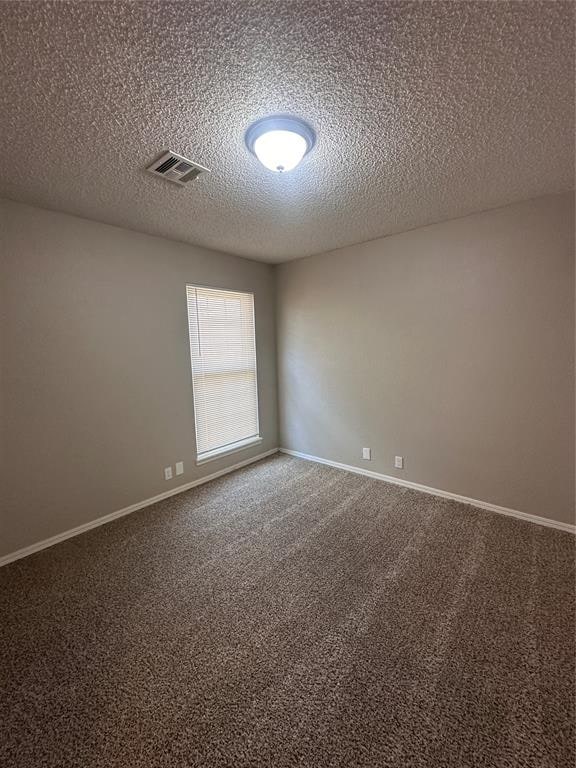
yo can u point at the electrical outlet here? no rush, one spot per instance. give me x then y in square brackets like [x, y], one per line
[179, 467]
[167, 473]
[367, 453]
[399, 462]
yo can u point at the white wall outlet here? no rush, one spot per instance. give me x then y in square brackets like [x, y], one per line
[179, 467]
[367, 453]
[167, 473]
[399, 462]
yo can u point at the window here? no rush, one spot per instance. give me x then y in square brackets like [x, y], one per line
[223, 354]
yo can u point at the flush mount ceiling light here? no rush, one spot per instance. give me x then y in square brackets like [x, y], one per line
[280, 142]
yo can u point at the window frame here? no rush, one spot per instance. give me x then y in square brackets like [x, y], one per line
[238, 445]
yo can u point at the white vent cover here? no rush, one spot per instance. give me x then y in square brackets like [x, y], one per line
[176, 168]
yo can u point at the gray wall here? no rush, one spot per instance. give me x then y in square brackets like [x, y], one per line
[97, 395]
[452, 345]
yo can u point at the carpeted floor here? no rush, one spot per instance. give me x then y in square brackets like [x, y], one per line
[292, 614]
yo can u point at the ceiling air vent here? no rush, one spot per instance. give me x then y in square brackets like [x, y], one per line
[176, 168]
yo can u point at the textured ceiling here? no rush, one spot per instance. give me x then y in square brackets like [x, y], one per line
[424, 111]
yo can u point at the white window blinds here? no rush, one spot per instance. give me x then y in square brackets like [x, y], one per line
[223, 353]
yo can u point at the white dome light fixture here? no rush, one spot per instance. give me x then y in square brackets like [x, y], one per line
[280, 142]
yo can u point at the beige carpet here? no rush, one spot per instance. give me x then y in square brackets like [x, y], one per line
[292, 615]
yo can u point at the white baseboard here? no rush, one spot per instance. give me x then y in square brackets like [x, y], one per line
[20, 553]
[126, 511]
[437, 492]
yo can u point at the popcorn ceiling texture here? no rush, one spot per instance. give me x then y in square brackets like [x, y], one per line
[424, 111]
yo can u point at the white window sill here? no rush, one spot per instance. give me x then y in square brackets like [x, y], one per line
[218, 453]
